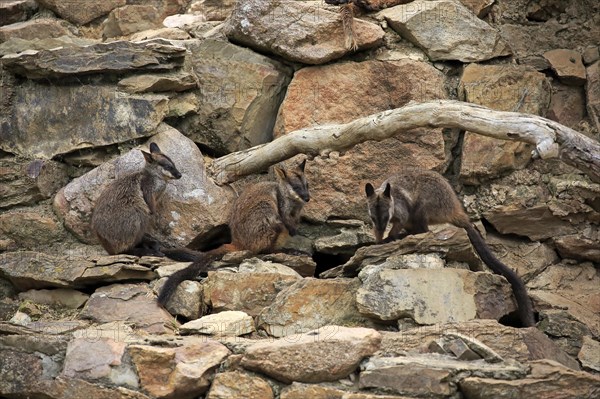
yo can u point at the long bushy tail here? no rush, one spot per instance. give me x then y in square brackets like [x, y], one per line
[182, 254]
[523, 301]
[200, 265]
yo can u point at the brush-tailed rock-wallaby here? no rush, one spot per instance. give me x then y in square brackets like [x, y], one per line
[414, 199]
[122, 215]
[262, 218]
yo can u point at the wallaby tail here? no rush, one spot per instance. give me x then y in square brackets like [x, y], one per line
[525, 308]
[182, 254]
[200, 265]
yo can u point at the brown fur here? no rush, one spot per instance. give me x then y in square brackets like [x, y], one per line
[416, 198]
[122, 214]
[262, 219]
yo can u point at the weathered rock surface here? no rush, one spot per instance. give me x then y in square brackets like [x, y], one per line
[186, 300]
[17, 45]
[589, 355]
[13, 11]
[211, 10]
[235, 384]
[504, 88]
[228, 323]
[568, 66]
[290, 313]
[592, 93]
[478, 7]
[68, 298]
[178, 81]
[34, 29]
[72, 11]
[446, 30]
[577, 247]
[239, 95]
[31, 229]
[327, 94]
[567, 106]
[132, 303]
[301, 391]
[547, 379]
[326, 354]
[114, 57]
[183, 372]
[448, 295]
[189, 204]
[296, 31]
[247, 291]
[430, 375]
[130, 19]
[162, 33]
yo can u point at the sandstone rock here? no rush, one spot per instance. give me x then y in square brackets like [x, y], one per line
[446, 295]
[162, 33]
[591, 55]
[13, 11]
[459, 35]
[565, 329]
[589, 355]
[183, 104]
[189, 204]
[62, 297]
[327, 94]
[187, 299]
[178, 81]
[228, 323]
[211, 10]
[478, 7]
[577, 247]
[130, 19]
[247, 292]
[547, 379]
[114, 57]
[520, 344]
[183, 21]
[334, 304]
[72, 11]
[34, 29]
[238, 97]
[567, 106]
[118, 331]
[327, 354]
[31, 229]
[129, 302]
[99, 360]
[431, 376]
[234, 384]
[351, 235]
[442, 239]
[182, 372]
[304, 265]
[17, 45]
[568, 65]
[504, 88]
[302, 391]
[300, 32]
[592, 93]
[164, 7]
[101, 118]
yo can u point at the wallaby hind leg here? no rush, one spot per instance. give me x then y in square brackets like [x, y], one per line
[418, 220]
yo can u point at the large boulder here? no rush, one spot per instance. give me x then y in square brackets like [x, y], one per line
[238, 98]
[446, 30]
[297, 31]
[503, 88]
[13, 11]
[190, 205]
[342, 92]
[72, 11]
[41, 28]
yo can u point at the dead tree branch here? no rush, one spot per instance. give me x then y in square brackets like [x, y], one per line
[550, 138]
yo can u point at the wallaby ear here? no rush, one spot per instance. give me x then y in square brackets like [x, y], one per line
[302, 165]
[369, 190]
[154, 148]
[280, 172]
[388, 190]
[147, 156]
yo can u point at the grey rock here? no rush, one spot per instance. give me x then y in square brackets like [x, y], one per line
[13, 11]
[62, 297]
[177, 81]
[72, 10]
[17, 45]
[130, 19]
[42, 28]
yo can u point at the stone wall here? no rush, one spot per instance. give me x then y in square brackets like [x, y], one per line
[83, 86]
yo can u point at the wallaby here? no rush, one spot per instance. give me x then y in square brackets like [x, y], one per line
[262, 218]
[416, 198]
[122, 215]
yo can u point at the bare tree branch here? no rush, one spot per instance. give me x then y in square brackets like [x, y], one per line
[550, 138]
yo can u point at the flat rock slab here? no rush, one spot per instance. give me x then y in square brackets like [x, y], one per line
[297, 31]
[235, 384]
[432, 296]
[446, 30]
[131, 303]
[12, 11]
[72, 10]
[568, 66]
[326, 354]
[41, 28]
[228, 323]
[114, 57]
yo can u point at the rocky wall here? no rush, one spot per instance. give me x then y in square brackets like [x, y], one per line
[83, 86]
